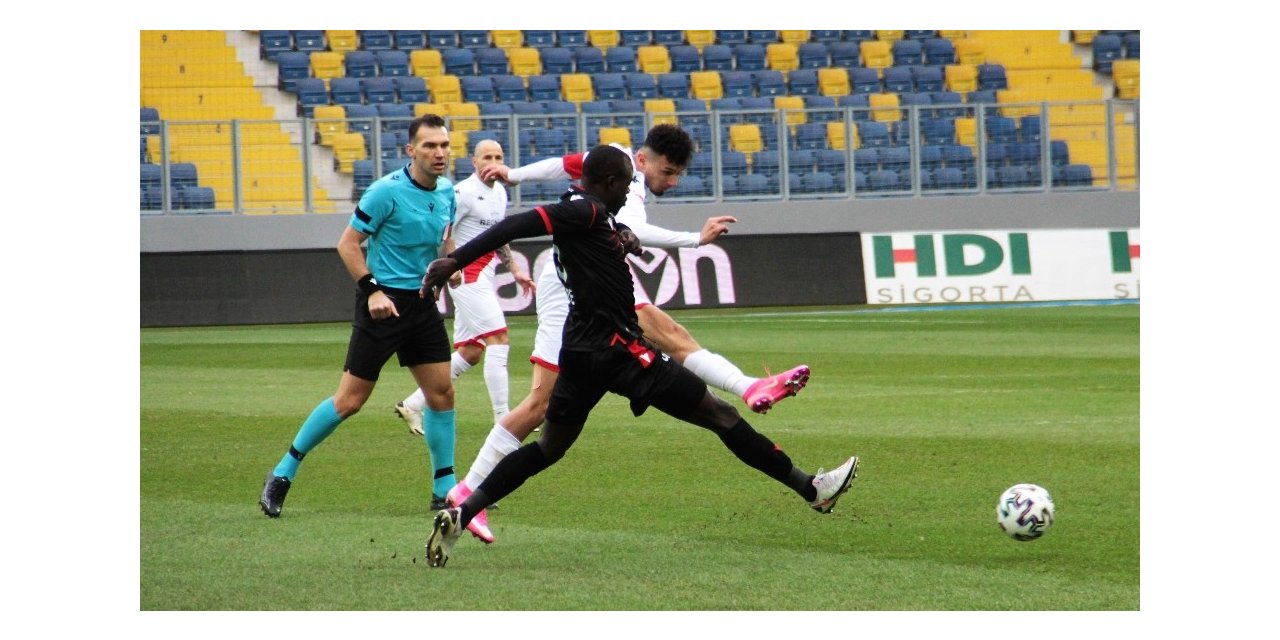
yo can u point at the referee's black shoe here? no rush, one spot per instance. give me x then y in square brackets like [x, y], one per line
[273, 493]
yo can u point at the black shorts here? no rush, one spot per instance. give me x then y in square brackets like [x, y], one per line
[635, 370]
[417, 336]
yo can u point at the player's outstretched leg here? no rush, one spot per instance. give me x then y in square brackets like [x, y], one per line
[479, 525]
[770, 390]
[830, 485]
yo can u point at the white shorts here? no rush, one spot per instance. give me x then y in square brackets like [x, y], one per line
[477, 312]
[552, 303]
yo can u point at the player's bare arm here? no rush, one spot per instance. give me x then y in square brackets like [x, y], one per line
[714, 227]
[527, 285]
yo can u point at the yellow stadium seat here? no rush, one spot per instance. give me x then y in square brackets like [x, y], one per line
[1082, 37]
[967, 131]
[664, 110]
[620, 135]
[970, 51]
[458, 141]
[781, 56]
[875, 54]
[746, 138]
[653, 58]
[833, 82]
[347, 148]
[463, 116]
[794, 36]
[706, 85]
[961, 78]
[793, 106]
[888, 37]
[445, 88]
[508, 39]
[885, 107]
[426, 63]
[438, 108]
[525, 62]
[952, 35]
[604, 38]
[1015, 97]
[700, 39]
[326, 64]
[1127, 75]
[342, 40]
[835, 135]
[576, 87]
[330, 120]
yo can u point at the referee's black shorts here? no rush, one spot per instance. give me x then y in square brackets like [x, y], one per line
[417, 336]
[625, 369]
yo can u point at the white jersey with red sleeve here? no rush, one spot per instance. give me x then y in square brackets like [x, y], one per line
[479, 207]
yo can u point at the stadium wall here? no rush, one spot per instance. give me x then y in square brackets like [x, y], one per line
[215, 270]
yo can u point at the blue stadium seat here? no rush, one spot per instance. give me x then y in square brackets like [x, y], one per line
[529, 115]
[621, 59]
[597, 113]
[1013, 176]
[860, 103]
[927, 79]
[360, 118]
[692, 112]
[938, 131]
[822, 109]
[826, 36]
[411, 89]
[310, 40]
[1001, 129]
[919, 34]
[898, 80]
[442, 39]
[769, 83]
[831, 161]
[673, 85]
[717, 57]
[550, 142]
[866, 159]
[857, 36]
[939, 52]
[540, 39]
[802, 82]
[392, 63]
[730, 37]
[492, 61]
[895, 158]
[588, 59]
[150, 199]
[685, 58]
[844, 54]
[406, 40]
[556, 60]
[272, 43]
[1024, 154]
[1029, 129]
[635, 38]
[473, 38]
[810, 135]
[733, 163]
[699, 132]
[760, 110]
[478, 89]
[948, 178]
[571, 38]
[766, 163]
[931, 156]
[292, 66]
[992, 76]
[1059, 153]
[736, 84]
[958, 156]
[458, 61]
[346, 91]
[609, 86]
[749, 57]
[562, 114]
[700, 164]
[1132, 45]
[378, 90]
[800, 161]
[640, 85]
[668, 36]
[1077, 175]
[981, 97]
[149, 176]
[544, 87]
[882, 180]
[183, 174]
[148, 121]
[692, 186]
[311, 94]
[997, 154]
[374, 40]
[907, 53]
[197, 198]
[463, 168]
[874, 134]
[813, 55]
[359, 64]
[725, 105]
[510, 88]
[764, 36]
[864, 80]
[394, 116]
[1107, 48]
[948, 98]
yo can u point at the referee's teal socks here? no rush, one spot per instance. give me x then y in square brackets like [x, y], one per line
[322, 422]
[440, 433]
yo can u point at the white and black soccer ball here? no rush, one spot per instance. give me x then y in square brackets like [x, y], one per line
[1025, 511]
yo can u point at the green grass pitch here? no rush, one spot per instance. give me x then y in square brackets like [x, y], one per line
[946, 409]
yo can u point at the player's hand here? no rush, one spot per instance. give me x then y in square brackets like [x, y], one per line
[438, 273]
[631, 243]
[381, 307]
[455, 280]
[714, 227]
[497, 172]
[527, 285]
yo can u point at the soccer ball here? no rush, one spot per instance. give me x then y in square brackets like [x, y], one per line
[1025, 511]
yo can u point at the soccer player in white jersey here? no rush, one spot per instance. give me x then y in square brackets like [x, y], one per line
[658, 164]
[479, 327]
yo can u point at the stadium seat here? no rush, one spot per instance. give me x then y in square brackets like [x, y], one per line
[766, 163]
[730, 37]
[895, 158]
[640, 85]
[699, 39]
[763, 36]
[653, 58]
[791, 108]
[683, 58]
[526, 62]
[745, 138]
[927, 79]
[609, 86]
[550, 142]
[272, 43]
[931, 156]
[802, 82]
[1030, 129]
[1127, 75]
[996, 154]
[691, 186]
[980, 97]
[857, 36]
[377, 90]
[733, 163]
[426, 63]
[445, 88]
[311, 93]
[668, 36]
[442, 39]
[478, 89]
[813, 55]
[610, 135]
[1059, 153]
[544, 87]
[810, 135]
[939, 52]
[597, 113]
[859, 103]
[576, 87]
[692, 111]
[1024, 153]
[509, 88]
[673, 85]
[1132, 45]
[1107, 48]
[621, 59]
[705, 85]
[342, 40]
[737, 84]
[864, 80]
[571, 38]
[183, 174]
[1001, 129]
[588, 60]
[557, 60]
[326, 64]
[507, 38]
[907, 52]
[760, 110]
[833, 82]
[781, 56]
[717, 57]
[374, 40]
[360, 118]
[604, 39]
[411, 89]
[948, 178]
[636, 38]
[970, 51]
[844, 54]
[938, 131]
[292, 66]
[309, 40]
[992, 76]
[800, 161]
[725, 106]
[961, 78]
[474, 38]
[1077, 175]
[872, 133]
[898, 80]
[749, 57]
[958, 156]
[661, 110]
[346, 91]
[885, 107]
[967, 131]
[700, 164]
[492, 61]
[540, 39]
[459, 61]
[195, 198]
[392, 63]
[882, 180]
[408, 40]
[769, 83]
[875, 54]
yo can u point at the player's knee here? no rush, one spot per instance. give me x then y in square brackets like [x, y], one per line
[720, 415]
[440, 399]
[348, 405]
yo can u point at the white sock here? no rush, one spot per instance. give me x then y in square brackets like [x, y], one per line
[717, 371]
[495, 378]
[457, 366]
[416, 401]
[497, 446]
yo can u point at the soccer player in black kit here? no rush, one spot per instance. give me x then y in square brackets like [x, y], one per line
[605, 351]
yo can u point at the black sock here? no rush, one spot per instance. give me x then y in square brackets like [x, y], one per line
[507, 476]
[759, 452]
